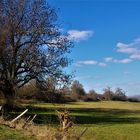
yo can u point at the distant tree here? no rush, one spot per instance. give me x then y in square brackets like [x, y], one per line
[133, 99]
[31, 45]
[92, 96]
[66, 92]
[46, 90]
[119, 95]
[28, 91]
[77, 90]
[108, 94]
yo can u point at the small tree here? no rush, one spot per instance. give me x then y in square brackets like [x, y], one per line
[108, 94]
[119, 95]
[31, 45]
[49, 92]
[92, 95]
[77, 90]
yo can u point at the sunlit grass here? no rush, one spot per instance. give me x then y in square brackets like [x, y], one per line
[103, 104]
[104, 120]
[7, 133]
[110, 131]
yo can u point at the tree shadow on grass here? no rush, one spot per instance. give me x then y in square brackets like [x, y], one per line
[95, 116]
[105, 119]
[89, 116]
[102, 116]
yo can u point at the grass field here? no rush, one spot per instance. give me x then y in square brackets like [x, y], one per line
[7, 133]
[104, 120]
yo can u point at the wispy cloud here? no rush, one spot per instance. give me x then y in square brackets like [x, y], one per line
[102, 64]
[126, 48]
[135, 56]
[88, 62]
[133, 49]
[108, 59]
[78, 35]
[123, 61]
[91, 62]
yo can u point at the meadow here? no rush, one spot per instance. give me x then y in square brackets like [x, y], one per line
[7, 133]
[107, 120]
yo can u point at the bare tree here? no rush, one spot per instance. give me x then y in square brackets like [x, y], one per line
[77, 90]
[120, 95]
[92, 95]
[31, 45]
[108, 94]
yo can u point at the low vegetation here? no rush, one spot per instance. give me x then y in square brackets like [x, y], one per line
[7, 133]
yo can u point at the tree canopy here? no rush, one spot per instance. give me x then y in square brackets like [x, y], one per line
[31, 44]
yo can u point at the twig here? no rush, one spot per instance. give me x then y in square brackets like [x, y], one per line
[26, 122]
[29, 122]
[84, 130]
[33, 118]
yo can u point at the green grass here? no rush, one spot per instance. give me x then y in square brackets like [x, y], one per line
[90, 112]
[104, 120]
[7, 133]
[110, 131]
[103, 105]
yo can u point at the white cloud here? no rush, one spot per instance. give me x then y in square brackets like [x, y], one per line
[102, 64]
[126, 48]
[88, 62]
[133, 49]
[135, 56]
[78, 35]
[123, 61]
[108, 59]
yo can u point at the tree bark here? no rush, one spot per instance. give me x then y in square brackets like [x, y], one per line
[9, 104]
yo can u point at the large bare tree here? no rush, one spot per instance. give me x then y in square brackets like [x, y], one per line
[31, 45]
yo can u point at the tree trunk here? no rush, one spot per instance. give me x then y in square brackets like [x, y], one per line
[9, 104]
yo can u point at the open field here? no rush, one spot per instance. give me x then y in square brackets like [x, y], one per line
[104, 120]
[91, 112]
[7, 133]
[103, 105]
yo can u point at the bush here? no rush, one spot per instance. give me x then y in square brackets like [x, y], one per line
[133, 99]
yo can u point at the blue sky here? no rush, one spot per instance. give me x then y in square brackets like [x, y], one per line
[107, 42]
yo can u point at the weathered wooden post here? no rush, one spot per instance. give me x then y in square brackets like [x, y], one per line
[19, 116]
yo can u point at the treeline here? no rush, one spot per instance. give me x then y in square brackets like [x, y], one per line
[77, 93]
[49, 92]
